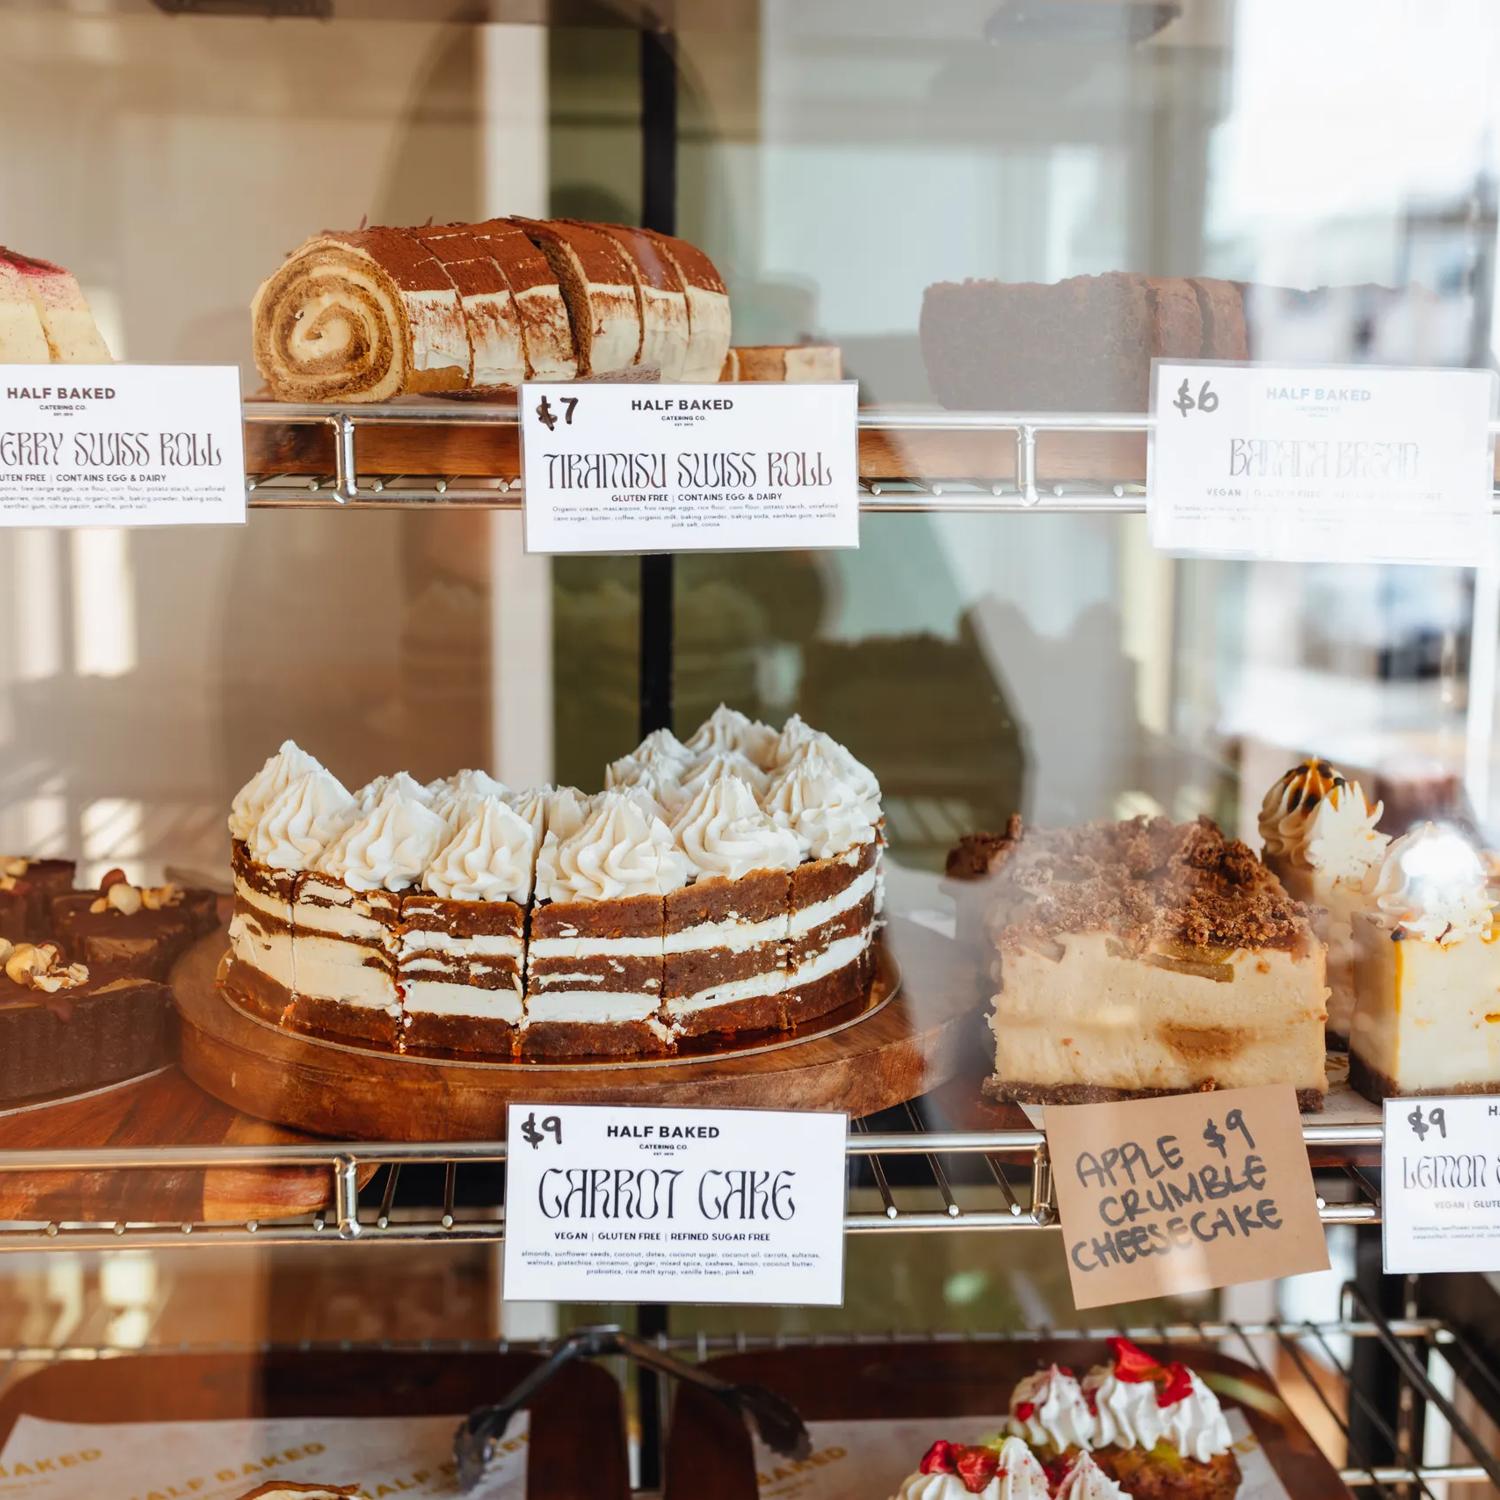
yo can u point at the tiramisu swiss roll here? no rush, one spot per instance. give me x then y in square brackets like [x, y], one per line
[362, 315]
[598, 289]
[347, 915]
[726, 931]
[595, 956]
[469, 309]
[1321, 842]
[660, 298]
[463, 935]
[707, 307]
[831, 922]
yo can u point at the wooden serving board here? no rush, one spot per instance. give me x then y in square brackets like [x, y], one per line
[710, 1453]
[577, 1434]
[890, 1055]
[161, 1109]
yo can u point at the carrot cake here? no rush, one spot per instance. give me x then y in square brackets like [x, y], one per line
[727, 884]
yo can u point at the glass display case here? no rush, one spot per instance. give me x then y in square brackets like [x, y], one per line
[328, 837]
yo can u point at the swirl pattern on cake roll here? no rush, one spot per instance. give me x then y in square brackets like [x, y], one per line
[475, 309]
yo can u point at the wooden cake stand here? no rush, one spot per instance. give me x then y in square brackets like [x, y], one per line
[900, 1045]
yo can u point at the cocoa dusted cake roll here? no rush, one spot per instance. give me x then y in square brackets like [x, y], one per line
[474, 309]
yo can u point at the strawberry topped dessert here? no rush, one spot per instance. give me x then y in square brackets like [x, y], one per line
[953, 1471]
[1153, 1428]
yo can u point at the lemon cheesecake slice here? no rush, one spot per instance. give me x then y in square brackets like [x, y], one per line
[1427, 972]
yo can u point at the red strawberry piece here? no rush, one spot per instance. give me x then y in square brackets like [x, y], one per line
[1131, 1363]
[1066, 1370]
[1056, 1470]
[941, 1458]
[1177, 1387]
[1091, 1399]
[976, 1467]
[1025, 1410]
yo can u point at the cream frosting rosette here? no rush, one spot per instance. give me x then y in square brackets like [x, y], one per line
[454, 798]
[621, 850]
[301, 821]
[1316, 819]
[724, 833]
[1433, 885]
[491, 857]
[389, 848]
[289, 762]
[812, 800]
[728, 730]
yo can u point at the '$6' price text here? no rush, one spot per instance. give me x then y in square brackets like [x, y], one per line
[1152, 1200]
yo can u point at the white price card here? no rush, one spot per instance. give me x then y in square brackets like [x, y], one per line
[611, 1204]
[121, 445]
[1338, 463]
[680, 468]
[1440, 1184]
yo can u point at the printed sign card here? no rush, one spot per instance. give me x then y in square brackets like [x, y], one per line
[1440, 1185]
[1355, 463]
[1163, 1196]
[681, 468]
[614, 1204]
[121, 445]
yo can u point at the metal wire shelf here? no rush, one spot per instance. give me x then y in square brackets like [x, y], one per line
[902, 1177]
[1439, 1375]
[1021, 483]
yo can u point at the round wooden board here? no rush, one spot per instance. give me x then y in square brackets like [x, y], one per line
[913, 1043]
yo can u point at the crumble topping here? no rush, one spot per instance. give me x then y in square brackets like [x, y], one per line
[976, 855]
[1147, 882]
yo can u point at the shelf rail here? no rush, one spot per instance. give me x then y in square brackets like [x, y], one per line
[902, 1177]
[1309, 1362]
[1026, 488]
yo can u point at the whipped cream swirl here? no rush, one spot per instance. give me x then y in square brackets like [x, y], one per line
[1017, 1475]
[1195, 1425]
[387, 848]
[621, 850]
[289, 762]
[1126, 1412]
[402, 784]
[1432, 885]
[814, 742]
[724, 833]
[301, 820]
[551, 809]
[812, 801]
[1087, 1481]
[722, 763]
[454, 798]
[1048, 1409]
[1316, 819]
[727, 729]
[660, 755]
[490, 858]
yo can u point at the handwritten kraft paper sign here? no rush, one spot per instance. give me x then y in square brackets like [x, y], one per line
[1163, 1196]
